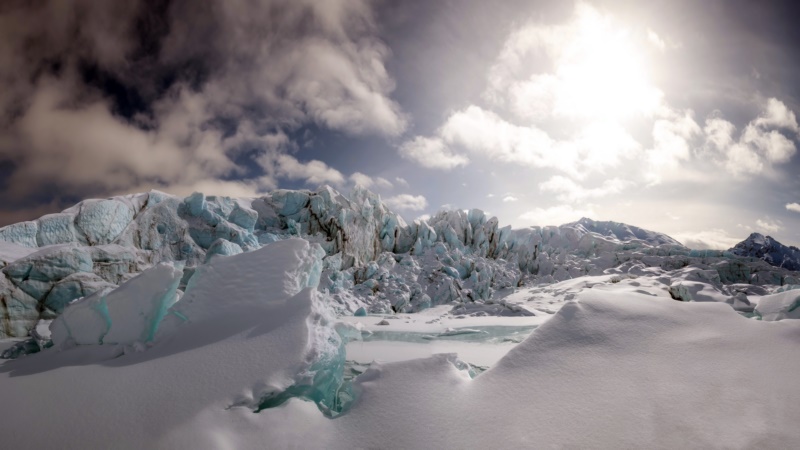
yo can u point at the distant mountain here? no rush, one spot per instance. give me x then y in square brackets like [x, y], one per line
[622, 232]
[773, 252]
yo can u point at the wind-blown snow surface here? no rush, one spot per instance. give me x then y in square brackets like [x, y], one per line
[609, 371]
[230, 343]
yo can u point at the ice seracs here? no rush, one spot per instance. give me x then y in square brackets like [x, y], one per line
[372, 258]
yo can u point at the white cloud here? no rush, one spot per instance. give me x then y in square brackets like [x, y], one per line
[490, 196]
[769, 226]
[672, 143]
[568, 191]
[777, 115]
[761, 143]
[793, 207]
[368, 182]
[217, 187]
[383, 183]
[656, 40]
[557, 96]
[556, 215]
[401, 181]
[594, 72]
[424, 217]
[601, 145]
[719, 133]
[772, 145]
[314, 172]
[432, 153]
[361, 179]
[509, 199]
[714, 239]
[485, 133]
[407, 202]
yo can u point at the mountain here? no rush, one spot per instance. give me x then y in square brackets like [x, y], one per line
[768, 249]
[622, 232]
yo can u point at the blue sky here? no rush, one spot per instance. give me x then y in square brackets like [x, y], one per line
[675, 116]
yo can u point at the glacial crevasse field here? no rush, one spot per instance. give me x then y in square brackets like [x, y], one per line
[311, 319]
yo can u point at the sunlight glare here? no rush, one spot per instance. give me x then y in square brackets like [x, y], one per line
[601, 72]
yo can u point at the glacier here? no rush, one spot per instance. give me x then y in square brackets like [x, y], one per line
[373, 260]
[318, 320]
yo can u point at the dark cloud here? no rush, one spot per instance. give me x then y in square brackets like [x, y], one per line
[106, 97]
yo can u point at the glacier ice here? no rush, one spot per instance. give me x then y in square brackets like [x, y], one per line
[56, 229]
[129, 314]
[223, 247]
[373, 259]
[102, 221]
[778, 306]
[74, 286]
[23, 233]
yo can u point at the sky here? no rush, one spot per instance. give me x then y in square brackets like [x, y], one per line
[677, 116]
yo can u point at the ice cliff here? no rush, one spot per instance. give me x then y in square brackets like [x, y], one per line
[372, 259]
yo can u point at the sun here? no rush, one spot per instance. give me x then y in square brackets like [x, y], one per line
[601, 73]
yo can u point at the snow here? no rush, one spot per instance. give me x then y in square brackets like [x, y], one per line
[626, 370]
[209, 322]
[779, 306]
[136, 308]
[10, 252]
[244, 342]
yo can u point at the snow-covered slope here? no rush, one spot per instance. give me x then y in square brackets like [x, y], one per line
[622, 232]
[773, 252]
[254, 363]
[248, 329]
